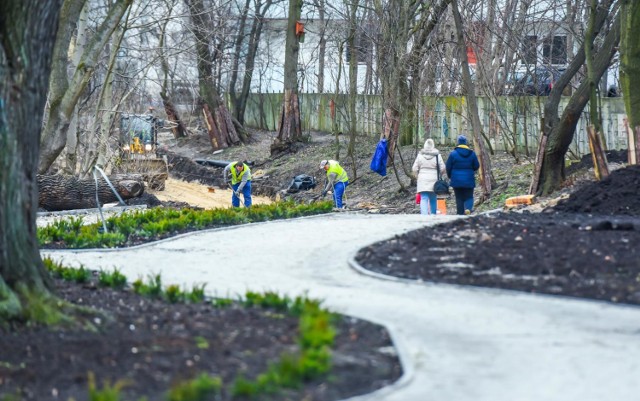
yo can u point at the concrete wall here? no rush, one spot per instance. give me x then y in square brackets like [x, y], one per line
[442, 118]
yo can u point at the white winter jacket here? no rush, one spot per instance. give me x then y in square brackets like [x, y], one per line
[425, 168]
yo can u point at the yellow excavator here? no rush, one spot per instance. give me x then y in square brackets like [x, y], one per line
[138, 146]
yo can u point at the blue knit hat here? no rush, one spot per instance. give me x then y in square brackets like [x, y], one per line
[462, 140]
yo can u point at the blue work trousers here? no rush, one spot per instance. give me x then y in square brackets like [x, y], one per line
[246, 194]
[338, 192]
[428, 202]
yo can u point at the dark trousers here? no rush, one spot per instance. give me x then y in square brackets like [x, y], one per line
[464, 199]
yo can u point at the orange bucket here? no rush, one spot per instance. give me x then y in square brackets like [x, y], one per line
[442, 206]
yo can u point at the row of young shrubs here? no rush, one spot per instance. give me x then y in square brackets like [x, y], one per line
[160, 222]
[316, 337]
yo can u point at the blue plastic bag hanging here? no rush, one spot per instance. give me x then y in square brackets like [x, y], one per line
[379, 161]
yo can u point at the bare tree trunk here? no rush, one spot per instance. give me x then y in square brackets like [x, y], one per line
[334, 102]
[237, 55]
[222, 131]
[560, 131]
[104, 113]
[589, 37]
[353, 85]
[252, 51]
[27, 34]
[630, 61]
[472, 106]
[322, 44]
[549, 168]
[72, 134]
[178, 128]
[64, 94]
[290, 130]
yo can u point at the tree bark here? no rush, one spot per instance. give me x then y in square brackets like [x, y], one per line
[290, 127]
[178, 128]
[254, 42]
[58, 192]
[549, 170]
[561, 131]
[353, 86]
[222, 131]
[27, 34]
[630, 61]
[64, 94]
[405, 28]
[472, 106]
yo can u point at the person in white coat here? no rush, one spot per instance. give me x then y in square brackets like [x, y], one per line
[425, 169]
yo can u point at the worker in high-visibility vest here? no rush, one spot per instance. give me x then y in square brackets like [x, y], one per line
[337, 179]
[240, 182]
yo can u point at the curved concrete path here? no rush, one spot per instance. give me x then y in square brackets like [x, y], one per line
[456, 343]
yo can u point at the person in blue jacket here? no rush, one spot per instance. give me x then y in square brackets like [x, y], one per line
[462, 165]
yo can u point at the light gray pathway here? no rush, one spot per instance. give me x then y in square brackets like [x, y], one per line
[457, 343]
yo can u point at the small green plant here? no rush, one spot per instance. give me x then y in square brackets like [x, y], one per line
[243, 387]
[108, 392]
[201, 342]
[79, 275]
[17, 396]
[173, 294]
[161, 222]
[315, 339]
[113, 279]
[196, 295]
[152, 288]
[221, 302]
[202, 388]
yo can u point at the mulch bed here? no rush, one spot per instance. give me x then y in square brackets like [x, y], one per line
[152, 344]
[591, 252]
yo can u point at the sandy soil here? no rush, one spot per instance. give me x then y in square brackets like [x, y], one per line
[199, 195]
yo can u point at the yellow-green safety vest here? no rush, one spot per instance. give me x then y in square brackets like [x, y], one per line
[235, 178]
[335, 168]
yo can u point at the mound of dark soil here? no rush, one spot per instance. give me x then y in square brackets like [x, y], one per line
[152, 201]
[152, 345]
[146, 198]
[615, 195]
[565, 254]
[586, 161]
[186, 169]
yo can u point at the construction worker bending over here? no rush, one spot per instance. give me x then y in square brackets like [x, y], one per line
[337, 179]
[240, 182]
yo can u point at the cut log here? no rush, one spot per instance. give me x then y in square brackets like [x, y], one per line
[59, 192]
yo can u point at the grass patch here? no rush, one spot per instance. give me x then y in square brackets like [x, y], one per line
[316, 336]
[157, 223]
[202, 388]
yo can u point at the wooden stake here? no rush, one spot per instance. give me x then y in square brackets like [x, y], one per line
[632, 147]
[598, 155]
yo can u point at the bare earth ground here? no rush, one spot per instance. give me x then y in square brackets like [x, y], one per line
[150, 345]
[367, 190]
[200, 195]
[586, 246]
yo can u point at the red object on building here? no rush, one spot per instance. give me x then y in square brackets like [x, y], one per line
[299, 28]
[471, 55]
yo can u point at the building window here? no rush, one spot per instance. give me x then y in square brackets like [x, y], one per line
[529, 49]
[554, 50]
